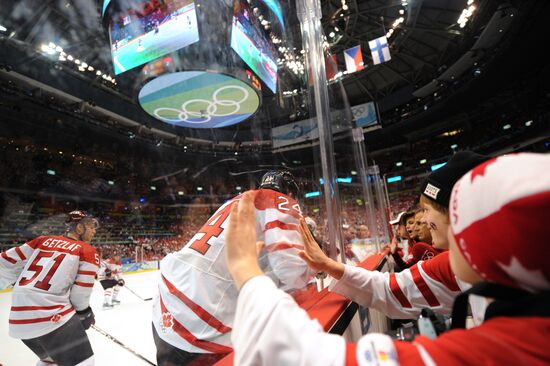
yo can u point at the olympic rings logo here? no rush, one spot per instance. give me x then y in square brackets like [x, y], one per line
[358, 111]
[210, 107]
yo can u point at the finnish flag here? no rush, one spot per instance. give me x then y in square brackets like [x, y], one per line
[380, 50]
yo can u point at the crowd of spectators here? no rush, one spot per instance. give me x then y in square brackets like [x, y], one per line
[149, 235]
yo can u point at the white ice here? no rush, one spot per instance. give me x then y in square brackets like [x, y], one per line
[129, 322]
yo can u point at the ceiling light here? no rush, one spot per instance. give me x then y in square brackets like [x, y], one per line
[399, 163]
[529, 123]
[423, 161]
[454, 146]
[506, 126]
[3, 29]
[46, 49]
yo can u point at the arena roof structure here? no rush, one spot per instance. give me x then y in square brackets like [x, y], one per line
[446, 57]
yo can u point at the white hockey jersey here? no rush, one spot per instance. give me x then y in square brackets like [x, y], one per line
[197, 297]
[114, 267]
[53, 276]
[403, 295]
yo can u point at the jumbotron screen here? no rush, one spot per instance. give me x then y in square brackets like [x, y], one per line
[199, 99]
[251, 43]
[151, 30]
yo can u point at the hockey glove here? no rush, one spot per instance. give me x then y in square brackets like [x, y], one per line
[108, 272]
[121, 282]
[86, 317]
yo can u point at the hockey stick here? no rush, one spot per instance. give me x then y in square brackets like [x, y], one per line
[110, 337]
[132, 291]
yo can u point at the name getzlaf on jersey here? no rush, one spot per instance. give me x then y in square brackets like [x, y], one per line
[197, 297]
[53, 276]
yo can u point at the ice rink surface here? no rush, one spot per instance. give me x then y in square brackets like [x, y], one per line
[129, 322]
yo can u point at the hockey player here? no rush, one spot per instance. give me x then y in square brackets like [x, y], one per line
[110, 277]
[53, 277]
[193, 314]
[499, 213]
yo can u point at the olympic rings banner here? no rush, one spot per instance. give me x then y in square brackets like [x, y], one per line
[199, 99]
[365, 114]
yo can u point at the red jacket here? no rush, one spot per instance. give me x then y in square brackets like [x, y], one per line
[498, 341]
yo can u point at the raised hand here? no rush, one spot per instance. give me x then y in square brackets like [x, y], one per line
[315, 257]
[241, 248]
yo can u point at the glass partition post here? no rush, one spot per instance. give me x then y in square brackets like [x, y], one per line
[382, 206]
[360, 155]
[309, 14]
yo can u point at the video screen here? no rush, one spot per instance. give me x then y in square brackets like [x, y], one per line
[252, 44]
[151, 30]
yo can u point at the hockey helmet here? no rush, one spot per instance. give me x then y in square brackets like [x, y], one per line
[79, 217]
[281, 181]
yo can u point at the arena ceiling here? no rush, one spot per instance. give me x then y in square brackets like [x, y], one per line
[426, 41]
[429, 49]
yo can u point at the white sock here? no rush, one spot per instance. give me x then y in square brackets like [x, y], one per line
[116, 289]
[108, 296]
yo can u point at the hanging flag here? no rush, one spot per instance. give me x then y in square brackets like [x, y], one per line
[331, 67]
[380, 50]
[354, 59]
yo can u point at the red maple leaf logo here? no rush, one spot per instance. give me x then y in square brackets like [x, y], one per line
[167, 320]
[480, 169]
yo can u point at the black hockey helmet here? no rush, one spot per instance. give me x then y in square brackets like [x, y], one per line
[281, 181]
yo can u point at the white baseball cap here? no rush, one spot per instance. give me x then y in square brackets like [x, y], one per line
[396, 220]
